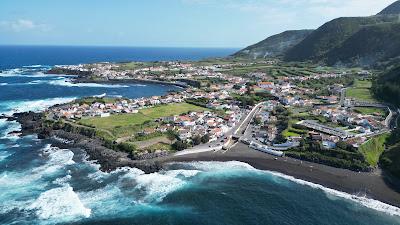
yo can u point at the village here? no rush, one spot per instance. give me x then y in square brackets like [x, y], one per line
[290, 112]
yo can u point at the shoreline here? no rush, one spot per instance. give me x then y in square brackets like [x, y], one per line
[108, 159]
[128, 81]
[373, 185]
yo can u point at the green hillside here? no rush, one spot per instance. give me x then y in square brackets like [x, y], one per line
[348, 41]
[391, 9]
[332, 36]
[387, 86]
[369, 45]
[275, 45]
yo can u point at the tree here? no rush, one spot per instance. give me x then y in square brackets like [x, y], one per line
[180, 145]
[196, 140]
[237, 86]
[205, 138]
[257, 120]
[171, 135]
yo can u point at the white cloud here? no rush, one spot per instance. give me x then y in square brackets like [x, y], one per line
[23, 25]
[326, 8]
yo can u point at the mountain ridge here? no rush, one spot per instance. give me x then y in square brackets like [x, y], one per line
[275, 45]
[393, 8]
[348, 41]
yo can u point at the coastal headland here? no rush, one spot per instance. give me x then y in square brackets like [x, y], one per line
[376, 185]
[316, 124]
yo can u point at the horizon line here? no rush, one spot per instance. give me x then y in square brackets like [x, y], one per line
[115, 46]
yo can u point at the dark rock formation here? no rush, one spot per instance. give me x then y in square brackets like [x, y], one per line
[34, 123]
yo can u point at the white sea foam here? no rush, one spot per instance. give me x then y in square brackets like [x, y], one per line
[34, 66]
[100, 96]
[62, 180]
[157, 185]
[58, 156]
[68, 83]
[38, 82]
[10, 107]
[182, 173]
[57, 160]
[218, 166]
[59, 203]
[7, 127]
[3, 84]
[367, 202]
[3, 153]
[25, 183]
[146, 188]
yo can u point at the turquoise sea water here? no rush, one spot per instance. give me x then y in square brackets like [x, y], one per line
[40, 184]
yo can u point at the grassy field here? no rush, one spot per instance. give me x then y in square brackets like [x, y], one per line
[91, 100]
[292, 132]
[123, 125]
[373, 149]
[361, 91]
[134, 65]
[363, 84]
[108, 123]
[170, 110]
[371, 111]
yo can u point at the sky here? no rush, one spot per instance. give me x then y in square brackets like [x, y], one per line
[167, 23]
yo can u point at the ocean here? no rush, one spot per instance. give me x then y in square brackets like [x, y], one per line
[42, 184]
[19, 56]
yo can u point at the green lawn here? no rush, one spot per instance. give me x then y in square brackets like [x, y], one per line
[290, 131]
[361, 91]
[371, 111]
[373, 149]
[361, 94]
[113, 121]
[363, 84]
[122, 125]
[170, 110]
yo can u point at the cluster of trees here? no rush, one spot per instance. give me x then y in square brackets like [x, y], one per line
[344, 156]
[193, 83]
[282, 115]
[387, 86]
[202, 102]
[182, 145]
[320, 84]
[250, 99]
[390, 158]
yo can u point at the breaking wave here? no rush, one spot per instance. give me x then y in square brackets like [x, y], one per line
[59, 203]
[8, 126]
[69, 83]
[10, 107]
[367, 202]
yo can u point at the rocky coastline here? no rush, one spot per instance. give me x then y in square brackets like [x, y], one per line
[88, 77]
[109, 160]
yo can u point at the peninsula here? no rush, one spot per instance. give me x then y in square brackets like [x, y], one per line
[271, 114]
